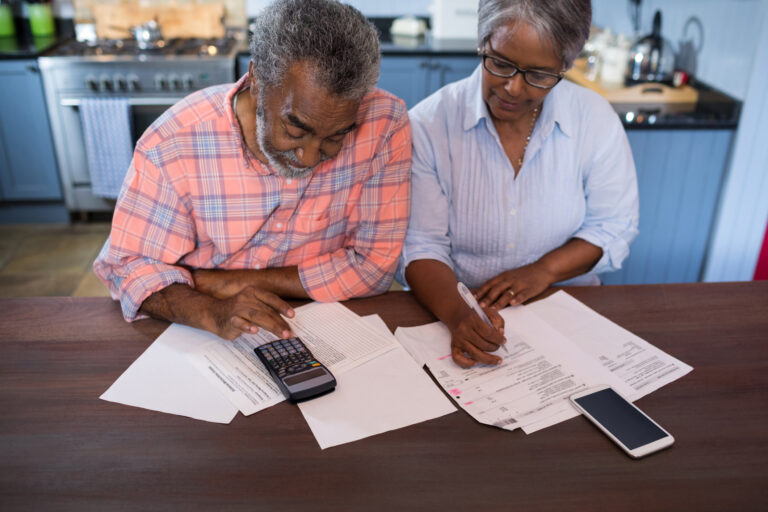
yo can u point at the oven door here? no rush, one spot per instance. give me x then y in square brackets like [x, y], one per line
[143, 113]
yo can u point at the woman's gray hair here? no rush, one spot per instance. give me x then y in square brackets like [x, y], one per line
[564, 23]
[338, 41]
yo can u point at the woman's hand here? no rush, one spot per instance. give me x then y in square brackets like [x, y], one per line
[472, 339]
[514, 287]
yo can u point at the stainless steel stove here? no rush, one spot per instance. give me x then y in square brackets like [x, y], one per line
[151, 79]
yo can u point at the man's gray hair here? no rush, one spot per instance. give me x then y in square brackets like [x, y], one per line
[564, 23]
[339, 42]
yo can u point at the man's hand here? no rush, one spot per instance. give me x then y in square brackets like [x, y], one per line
[248, 311]
[514, 287]
[472, 339]
[218, 283]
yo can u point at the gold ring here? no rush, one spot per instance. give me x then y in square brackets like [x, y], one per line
[511, 291]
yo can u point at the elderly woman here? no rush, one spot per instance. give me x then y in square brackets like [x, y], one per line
[520, 179]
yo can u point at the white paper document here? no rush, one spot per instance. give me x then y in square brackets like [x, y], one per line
[386, 393]
[336, 336]
[541, 370]
[642, 366]
[545, 365]
[162, 379]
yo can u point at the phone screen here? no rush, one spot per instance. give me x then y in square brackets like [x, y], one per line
[618, 416]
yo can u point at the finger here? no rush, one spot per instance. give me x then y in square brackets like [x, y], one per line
[482, 292]
[274, 301]
[494, 292]
[240, 324]
[269, 319]
[496, 319]
[522, 296]
[505, 299]
[489, 341]
[460, 359]
[480, 356]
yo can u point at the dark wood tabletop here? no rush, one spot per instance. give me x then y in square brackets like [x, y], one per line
[62, 448]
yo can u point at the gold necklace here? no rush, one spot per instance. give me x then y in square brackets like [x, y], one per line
[528, 138]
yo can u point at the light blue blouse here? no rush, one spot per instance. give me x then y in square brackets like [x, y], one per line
[470, 212]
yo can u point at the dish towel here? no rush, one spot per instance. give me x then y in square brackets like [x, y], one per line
[108, 145]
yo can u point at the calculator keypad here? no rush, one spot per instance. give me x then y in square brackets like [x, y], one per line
[288, 356]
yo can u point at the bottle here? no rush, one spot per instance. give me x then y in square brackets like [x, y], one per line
[40, 18]
[7, 27]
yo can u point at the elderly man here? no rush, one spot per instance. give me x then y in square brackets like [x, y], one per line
[293, 183]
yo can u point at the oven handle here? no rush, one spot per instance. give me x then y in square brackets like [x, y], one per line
[134, 102]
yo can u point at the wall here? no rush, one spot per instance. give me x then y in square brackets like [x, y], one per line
[731, 28]
[741, 221]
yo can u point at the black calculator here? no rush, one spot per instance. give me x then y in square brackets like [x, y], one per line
[295, 369]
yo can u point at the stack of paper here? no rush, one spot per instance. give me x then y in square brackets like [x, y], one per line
[193, 373]
[557, 347]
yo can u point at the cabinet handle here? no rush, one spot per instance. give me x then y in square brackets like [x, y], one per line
[32, 68]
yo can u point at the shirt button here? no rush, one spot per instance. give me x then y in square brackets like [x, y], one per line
[511, 246]
[279, 225]
[512, 211]
[289, 181]
[258, 266]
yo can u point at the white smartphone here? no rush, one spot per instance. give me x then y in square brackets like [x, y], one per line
[619, 419]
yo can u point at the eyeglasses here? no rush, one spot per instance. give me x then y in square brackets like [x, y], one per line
[505, 69]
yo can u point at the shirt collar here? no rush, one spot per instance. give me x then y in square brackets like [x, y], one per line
[556, 110]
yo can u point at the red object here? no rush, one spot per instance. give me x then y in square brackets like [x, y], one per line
[761, 271]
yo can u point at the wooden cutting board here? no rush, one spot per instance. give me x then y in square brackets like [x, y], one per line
[641, 93]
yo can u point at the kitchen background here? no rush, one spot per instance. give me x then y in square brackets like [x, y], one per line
[703, 177]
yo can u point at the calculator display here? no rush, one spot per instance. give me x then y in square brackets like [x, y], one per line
[304, 376]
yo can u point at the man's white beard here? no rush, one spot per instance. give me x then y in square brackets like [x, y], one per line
[283, 169]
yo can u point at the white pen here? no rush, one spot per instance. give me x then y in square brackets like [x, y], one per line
[472, 303]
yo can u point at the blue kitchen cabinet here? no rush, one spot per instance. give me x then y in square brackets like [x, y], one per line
[413, 78]
[679, 175]
[241, 65]
[28, 169]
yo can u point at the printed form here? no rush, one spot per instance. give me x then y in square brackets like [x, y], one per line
[339, 338]
[556, 349]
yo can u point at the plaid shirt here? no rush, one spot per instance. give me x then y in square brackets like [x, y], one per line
[195, 196]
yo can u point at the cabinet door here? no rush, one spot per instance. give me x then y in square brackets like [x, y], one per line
[28, 167]
[405, 77]
[445, 70]
[679, 173]
[242, 63]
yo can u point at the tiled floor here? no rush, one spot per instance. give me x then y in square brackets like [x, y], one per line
[51, 260]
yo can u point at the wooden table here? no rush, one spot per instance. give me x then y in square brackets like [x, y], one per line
[62, 448]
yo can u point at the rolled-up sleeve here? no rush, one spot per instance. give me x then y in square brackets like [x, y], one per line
[610, 189]
[151, 231]
[367, 262]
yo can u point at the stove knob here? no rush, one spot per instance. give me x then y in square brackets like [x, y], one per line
[161, 82]
[106, 83]
[92, 83]
[133, 83]
[188, 82]
[174, 82]
[120, 83]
